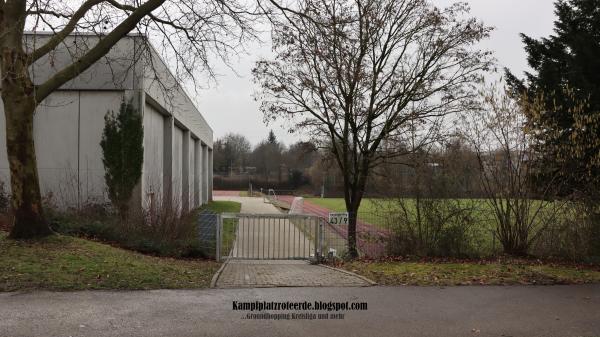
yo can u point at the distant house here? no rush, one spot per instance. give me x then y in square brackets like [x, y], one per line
[68, 126]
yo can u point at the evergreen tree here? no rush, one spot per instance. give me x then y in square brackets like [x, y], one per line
[271, 139]
[122, 154]
[566, 79]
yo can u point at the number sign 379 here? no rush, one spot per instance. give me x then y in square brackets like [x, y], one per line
[338, 218]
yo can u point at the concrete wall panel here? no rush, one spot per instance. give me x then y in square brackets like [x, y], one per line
[210, 175]
[205, 175]
[191, 175]
[68, 128]
[177, 165]
[197, 173]
[160, 84]
[113, 71]
[56, 137]
[185, 171]
[94, 107]
[152, 178]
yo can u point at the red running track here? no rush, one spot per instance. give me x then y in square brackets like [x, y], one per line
[370, 238]
[226, 193]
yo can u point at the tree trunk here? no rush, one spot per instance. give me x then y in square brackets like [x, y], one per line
[352, 220]
[18, 97]
[353, 197]
[353, 194]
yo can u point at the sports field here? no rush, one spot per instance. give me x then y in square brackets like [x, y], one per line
[383, 214]
[375, 210]
[338, 204]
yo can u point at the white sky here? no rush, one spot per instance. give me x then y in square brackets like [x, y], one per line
[229, 106]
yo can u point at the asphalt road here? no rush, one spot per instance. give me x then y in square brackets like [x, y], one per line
[392, 311]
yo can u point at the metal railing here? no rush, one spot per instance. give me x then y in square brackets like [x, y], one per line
[269, 236]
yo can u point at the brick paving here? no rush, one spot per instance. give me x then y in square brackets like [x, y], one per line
[283, 273]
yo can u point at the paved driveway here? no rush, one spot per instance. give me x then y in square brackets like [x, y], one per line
[562, 311]
[262, 239]
[284, 273]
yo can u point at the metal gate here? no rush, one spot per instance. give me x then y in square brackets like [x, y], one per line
[269, 236]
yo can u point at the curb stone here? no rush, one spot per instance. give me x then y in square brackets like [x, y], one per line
[371, 282]
[215, 278]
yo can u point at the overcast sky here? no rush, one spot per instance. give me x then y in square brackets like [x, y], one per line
[229, 106]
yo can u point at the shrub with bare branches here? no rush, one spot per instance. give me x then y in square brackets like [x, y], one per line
[521, 209]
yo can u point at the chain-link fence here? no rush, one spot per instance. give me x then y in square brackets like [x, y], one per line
[432, 227]
[207, 232]
[438, 232]
[440, 229]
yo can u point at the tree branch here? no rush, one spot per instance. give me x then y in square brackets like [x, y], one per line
[98, 51]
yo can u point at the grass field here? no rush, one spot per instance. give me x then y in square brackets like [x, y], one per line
[373, 205]
[68, 263]
[375, 211]
[338, 204]
[381, 213]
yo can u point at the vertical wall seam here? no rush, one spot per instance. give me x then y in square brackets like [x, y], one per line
[79, 150]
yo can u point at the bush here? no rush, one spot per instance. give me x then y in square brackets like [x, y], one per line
[434, 227]
[161, 231]
[575, 236]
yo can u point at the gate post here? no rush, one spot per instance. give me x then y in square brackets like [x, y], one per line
[218, 235]
[321, 236]
[318, 238]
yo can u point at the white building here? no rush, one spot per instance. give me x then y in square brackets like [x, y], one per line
[68, 126]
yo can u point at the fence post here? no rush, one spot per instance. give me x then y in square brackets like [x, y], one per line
[316, 222]
[218, 235]
[318, 238]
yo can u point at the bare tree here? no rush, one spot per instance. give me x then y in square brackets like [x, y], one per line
[267, 156]
[231, 152]
[359, 73]
[521, 208]
[190, 32]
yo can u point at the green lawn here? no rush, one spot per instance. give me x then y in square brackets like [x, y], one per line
[68, 263]
[379, 205]
[374, 205]
[63, 262]
[492, 273]
[222, 207]
[338, 204]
